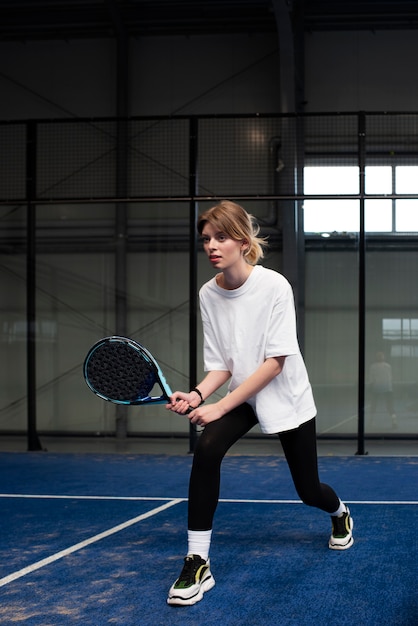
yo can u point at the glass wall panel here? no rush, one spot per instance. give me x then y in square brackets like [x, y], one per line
[111, 201]
[331, 216]
[13, 326]
[392, 342]
[378, 216]
[331, 336]
[407, 216]
[76, 304]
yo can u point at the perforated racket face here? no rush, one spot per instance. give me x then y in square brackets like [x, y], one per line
[119, 372]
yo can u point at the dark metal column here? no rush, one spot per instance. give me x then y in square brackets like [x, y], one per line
[291, 75]
[287, 66]
[361, 286]
[121, 233]
[122, 147]
[32, 435]
[193, 188]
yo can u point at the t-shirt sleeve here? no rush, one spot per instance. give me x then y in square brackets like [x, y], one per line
[212, 354]
[282, 333]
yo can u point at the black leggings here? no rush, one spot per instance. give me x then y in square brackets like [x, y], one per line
[299, 447]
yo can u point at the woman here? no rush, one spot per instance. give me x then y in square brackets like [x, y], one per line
[250, 339]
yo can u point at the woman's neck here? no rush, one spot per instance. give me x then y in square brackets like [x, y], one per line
[234, 279]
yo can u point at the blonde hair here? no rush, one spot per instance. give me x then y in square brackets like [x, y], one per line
[234, 221]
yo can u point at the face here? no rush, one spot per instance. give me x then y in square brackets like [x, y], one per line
[224, 253]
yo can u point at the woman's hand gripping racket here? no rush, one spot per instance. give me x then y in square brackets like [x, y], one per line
[122, 371]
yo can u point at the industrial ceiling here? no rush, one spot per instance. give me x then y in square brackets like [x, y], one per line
[28, 20]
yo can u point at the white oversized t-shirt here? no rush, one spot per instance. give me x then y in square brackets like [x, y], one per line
[242, 327]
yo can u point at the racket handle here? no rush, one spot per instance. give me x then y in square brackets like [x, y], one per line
[190, 409]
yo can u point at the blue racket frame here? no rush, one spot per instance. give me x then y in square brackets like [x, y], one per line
[146, 355]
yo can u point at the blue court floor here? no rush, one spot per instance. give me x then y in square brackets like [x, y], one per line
[97, 539]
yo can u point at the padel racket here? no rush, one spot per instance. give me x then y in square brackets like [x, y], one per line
[122, 371]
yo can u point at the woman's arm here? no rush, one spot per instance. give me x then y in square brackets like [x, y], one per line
[180, 402]
[253, 384]
[269, 369]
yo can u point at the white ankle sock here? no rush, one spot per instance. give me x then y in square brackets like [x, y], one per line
[199, 542]
[341, 509]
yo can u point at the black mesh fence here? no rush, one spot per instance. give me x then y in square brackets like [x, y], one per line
[138, 159]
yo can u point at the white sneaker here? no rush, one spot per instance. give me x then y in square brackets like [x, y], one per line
[194, 580]
[342, 535]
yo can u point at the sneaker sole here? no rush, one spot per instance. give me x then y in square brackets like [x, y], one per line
[339, 546]
[206, 585]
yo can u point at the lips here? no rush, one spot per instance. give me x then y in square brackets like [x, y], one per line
[214, 259]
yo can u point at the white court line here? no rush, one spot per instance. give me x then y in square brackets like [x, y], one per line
[169, 503]
[37, 496]
[158, 499]
[300, 501]
[78, 546]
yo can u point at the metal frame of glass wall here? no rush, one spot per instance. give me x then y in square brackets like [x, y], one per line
[122, 192]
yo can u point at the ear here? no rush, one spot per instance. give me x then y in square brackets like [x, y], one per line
[245, 246]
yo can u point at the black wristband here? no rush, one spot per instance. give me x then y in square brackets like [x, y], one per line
[199, 394]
